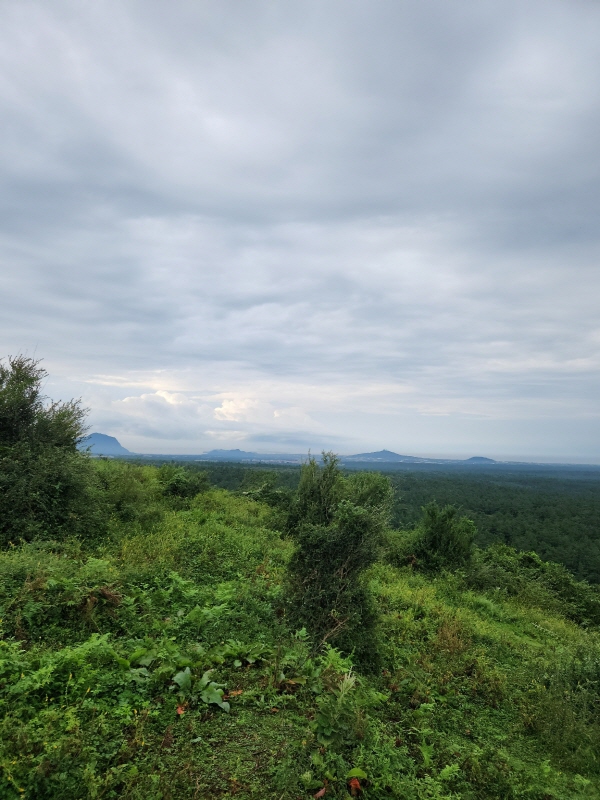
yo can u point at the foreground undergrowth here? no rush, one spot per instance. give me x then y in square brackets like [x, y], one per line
[160, 662]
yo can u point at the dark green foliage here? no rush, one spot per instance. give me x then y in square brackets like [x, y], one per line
[47, 488]
[262, 485]
[336, 524]
[555, 516]
[445, 539]
[442, 540]
[320, 490]
[25, 418]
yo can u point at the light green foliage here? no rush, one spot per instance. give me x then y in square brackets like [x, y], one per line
[179, 482]
[544, 583]
[134, 494]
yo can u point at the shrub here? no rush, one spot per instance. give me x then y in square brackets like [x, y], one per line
[182, 482]
[336, 524]
[262, 485]
[48, 489]
[444, 539]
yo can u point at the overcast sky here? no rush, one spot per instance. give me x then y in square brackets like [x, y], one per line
[308, 224]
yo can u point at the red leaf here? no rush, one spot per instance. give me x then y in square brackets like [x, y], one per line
[355, 786]
[321, 792]
[180, 710]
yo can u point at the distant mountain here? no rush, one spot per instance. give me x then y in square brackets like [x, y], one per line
[382, 456]
[232, 455]
[100, 444]
[245, 455]
[379, 457]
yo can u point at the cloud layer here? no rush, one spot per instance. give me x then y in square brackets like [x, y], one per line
[325, 224]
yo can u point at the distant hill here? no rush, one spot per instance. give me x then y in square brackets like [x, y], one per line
[99, 444]
[381, 455]
[232, 455]
[245, 455]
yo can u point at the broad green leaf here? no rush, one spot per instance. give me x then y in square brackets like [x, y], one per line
[205, 679]
[141, 651]
[212, 694]
[184, 680]
[357, 773]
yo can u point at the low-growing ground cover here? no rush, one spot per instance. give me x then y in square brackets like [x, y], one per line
[159, 662]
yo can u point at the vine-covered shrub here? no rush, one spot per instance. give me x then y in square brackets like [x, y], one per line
[336, 523]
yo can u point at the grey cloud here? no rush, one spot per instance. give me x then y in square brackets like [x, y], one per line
[324, 194]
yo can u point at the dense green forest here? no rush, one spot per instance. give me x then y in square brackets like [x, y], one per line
[170, 632]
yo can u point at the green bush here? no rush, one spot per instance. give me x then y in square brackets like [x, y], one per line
[399, 547]
[182, 482]
[336, 524]
[445, 539]
[48, 489]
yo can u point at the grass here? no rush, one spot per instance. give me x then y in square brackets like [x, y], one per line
[482, 694]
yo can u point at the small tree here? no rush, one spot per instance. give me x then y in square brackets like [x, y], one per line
[336, 523]
[47, 487]
[444, 539]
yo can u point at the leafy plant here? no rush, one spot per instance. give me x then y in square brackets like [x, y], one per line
[47, 487]
[444, 539]
[336, 523]
[203, 688]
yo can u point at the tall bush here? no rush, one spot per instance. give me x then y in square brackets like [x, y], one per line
[336, 523]
[444, 539]
[47, 487]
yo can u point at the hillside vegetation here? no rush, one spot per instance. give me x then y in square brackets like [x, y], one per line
[163, 638]
[552, 511]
